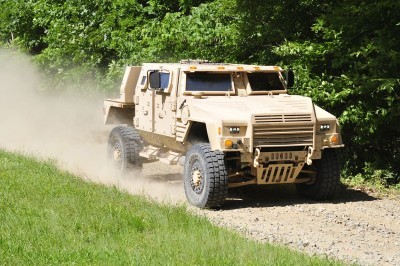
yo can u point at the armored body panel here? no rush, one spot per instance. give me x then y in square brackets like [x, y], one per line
[229, 125]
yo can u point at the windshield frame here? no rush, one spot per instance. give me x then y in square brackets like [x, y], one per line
[264, 92]
[232, 91]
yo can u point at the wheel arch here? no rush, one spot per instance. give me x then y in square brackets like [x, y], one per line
[197, 132]
[204, 132]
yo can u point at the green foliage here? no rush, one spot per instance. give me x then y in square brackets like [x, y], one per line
[264, 25]
[16, 26]
[351, 68]
[346, 54]
[84, 39]
[205, 34]
[50, 217]
[378, 181]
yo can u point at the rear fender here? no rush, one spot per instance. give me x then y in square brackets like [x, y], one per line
[118, 113]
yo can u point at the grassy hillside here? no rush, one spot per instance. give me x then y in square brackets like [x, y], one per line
[51, 217]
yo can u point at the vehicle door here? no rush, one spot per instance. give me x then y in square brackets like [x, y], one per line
[143, 99]
[157, 110]
[165, 101]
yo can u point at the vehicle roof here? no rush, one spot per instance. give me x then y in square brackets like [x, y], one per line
[196, 66]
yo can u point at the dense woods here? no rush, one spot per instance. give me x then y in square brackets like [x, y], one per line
[346, 54]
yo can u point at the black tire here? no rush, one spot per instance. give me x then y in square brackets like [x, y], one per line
[205, 178]
[124, 145]
[327, 179]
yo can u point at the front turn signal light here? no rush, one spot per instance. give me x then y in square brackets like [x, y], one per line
[228, 143]
[334, 140]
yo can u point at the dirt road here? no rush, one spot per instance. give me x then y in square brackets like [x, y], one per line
[354, 227]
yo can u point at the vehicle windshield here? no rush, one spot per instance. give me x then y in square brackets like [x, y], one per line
[204, 81]
[260, 81]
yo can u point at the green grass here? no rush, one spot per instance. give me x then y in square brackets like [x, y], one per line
[52, 217]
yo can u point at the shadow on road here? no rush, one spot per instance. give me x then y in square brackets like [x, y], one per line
[284, 195]
[255, 196]
[165, 178]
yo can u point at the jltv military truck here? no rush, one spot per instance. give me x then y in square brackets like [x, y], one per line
[229, 125]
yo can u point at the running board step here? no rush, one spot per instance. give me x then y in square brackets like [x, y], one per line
[155, 153]
[170, 157]
[150, 152]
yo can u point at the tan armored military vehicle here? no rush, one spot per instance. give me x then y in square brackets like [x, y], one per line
[229, 125]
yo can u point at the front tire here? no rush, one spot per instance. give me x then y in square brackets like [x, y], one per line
[327, 179]
[205, 177]
[124, 144]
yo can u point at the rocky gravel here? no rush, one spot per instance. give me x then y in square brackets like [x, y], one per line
[354, 227]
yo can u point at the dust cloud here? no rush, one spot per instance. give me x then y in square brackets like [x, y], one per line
[68, 129]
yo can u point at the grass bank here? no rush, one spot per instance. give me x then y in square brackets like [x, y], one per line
[51, 217]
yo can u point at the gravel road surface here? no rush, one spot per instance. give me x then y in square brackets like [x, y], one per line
[354, 227]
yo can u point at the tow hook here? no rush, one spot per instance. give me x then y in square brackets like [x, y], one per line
[309, 155]
[256, 163]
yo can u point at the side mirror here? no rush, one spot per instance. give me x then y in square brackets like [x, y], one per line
[155, 80]
[290, 78]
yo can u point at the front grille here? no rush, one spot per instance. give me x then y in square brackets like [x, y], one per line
[262, 119]
[283, 130]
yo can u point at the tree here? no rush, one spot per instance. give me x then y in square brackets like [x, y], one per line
[351, 68]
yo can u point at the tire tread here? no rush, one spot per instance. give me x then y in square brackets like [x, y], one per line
[218, 180]
[132, 144]
[328, 177]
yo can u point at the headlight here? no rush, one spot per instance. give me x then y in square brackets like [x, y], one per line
[234, 130]
[325, 127]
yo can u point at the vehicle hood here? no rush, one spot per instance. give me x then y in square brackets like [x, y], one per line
[240, 109]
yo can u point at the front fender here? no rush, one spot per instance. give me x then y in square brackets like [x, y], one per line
[213, 132]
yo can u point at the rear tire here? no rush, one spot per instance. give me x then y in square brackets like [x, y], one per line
[124, 145]
[205, 177]
[327, 179]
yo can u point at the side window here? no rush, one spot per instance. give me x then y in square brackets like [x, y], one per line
[143, 81]
[159, 80]
[164, 80]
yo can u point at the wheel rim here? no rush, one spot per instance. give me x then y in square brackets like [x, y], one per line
[197, 178]
[116, 154]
